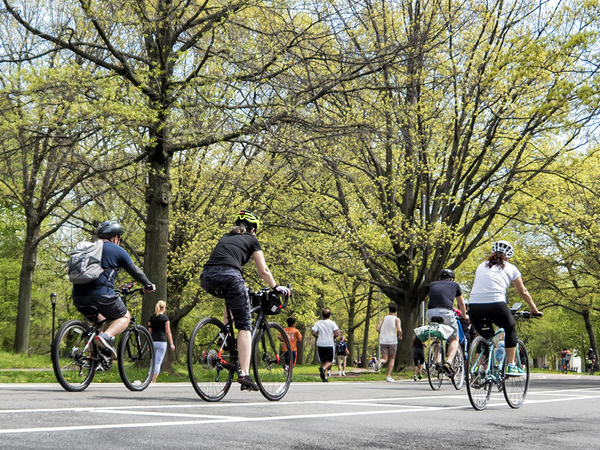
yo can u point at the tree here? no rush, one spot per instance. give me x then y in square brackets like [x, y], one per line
[209, 72]
[409, 170]
[560, 244]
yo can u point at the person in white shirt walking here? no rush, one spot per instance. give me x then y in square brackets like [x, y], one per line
[325, 330]
[390, 331]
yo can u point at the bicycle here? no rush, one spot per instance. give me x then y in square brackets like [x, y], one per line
[436, 358]
[212, 357]
[76, 359]
[486, 370]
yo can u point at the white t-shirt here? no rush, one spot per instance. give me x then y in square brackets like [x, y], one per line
[491, 284]
[388, 333]
[325, 328]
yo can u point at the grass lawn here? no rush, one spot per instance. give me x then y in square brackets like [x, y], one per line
[17, 368]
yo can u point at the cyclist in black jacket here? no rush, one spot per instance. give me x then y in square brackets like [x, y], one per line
[222, 277]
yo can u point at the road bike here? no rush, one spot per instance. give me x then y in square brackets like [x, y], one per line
[435, 362]
[76, 358]
[212, 355]
[486, 367]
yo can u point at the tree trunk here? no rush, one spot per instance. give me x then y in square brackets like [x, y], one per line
[25, 286]
[300, 345]
[158, 196]
[350, 337]
[589, 326]
[365, 356]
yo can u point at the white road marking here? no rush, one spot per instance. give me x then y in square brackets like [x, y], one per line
[151, 410]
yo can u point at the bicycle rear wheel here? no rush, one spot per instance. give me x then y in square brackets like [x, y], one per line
[211, 359]
[515, 388]
[271, 372]
[478, 387]
[458, 364]
[435, 364]
[136, 358]
[73, 356]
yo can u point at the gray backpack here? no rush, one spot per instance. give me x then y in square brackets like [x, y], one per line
[84, 263]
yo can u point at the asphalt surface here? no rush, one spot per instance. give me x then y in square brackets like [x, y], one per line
[561, 411]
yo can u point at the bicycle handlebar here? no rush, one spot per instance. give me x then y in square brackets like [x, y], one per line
[526, 315]
[271, 292]
[127, 289]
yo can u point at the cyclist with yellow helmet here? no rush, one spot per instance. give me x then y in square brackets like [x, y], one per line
[222, 277]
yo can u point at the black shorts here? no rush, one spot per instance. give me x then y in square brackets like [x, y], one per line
[325, 354]
[110, 307]
[227, 282]
[499, 314]
[418, 358]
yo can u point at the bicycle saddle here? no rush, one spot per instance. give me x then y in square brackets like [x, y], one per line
[89, 311]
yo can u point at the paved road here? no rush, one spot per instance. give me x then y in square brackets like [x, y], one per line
[561, 411]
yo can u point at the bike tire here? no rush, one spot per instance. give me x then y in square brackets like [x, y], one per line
[435, 364]
[273, 376]
[479, 388]
[458, 364]
[209, 377]
[73, 356]
[136, 358]
[515, 388]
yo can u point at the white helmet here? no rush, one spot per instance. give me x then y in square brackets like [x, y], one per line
[503, 247]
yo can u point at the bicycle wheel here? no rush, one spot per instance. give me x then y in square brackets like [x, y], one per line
[271, 372]
[435, 364]
[136, 358]
[478, 387]
[73, 356]
[211, 359]
[458, 364]
[515, 388]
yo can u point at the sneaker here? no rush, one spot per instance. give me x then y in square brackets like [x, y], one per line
[448, 368]
[340, 374]
[514, 371]
[343, 373]
[103, 340]
[415, 377]
[419, 376]
[322, 373]
[247, 383]
[390, 380]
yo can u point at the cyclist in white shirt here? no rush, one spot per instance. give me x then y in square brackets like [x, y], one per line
[488, 298]
[325, 330]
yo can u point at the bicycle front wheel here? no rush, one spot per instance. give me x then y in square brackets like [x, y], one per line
[478, 387]
[458, 364]
[136, 358]
[272, 372]
[435, 364]
[210, 359]
[515, 387]
[73, 356]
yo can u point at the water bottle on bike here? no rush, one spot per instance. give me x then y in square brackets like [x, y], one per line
[500, 353]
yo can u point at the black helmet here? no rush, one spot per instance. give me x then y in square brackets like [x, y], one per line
[447, 273]
[108, 229]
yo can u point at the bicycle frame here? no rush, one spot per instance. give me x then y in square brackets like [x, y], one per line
[76, 357]
[493, 372]
[212, 369]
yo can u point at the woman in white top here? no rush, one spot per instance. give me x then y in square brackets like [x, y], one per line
[488, 298]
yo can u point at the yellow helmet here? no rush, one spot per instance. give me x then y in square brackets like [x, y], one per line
[247, 218]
